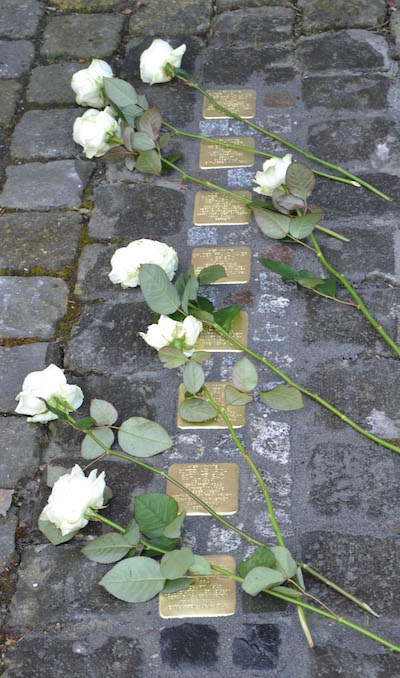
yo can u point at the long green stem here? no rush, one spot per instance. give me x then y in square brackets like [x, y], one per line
[314, 396]
[282, 141]
[209, 184]
[360, 305]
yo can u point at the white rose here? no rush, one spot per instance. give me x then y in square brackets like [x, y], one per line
[166, 330]
[47, 384]
[127, 260]
[154, 59]
[88, 84]
[94, 130]
[73, 494]
[273, 174]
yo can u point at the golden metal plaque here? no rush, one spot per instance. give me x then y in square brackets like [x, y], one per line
[213, 156]
[212, 596]
[212, 208]
[240, 101]
[236, 414]
[235, 260]
[216, 484]
[210, 340]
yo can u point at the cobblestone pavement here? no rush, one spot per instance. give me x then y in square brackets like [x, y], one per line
[327, 79]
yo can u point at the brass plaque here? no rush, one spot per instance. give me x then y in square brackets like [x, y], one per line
[212, 596]
[210, 340]
[236, 415]
[213, 156]
[235, 260]
[240, 101]
[212, 208]
[216, 484]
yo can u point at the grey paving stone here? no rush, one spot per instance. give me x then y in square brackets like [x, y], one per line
[15, 363]
[15, 58]
[19, 18]
[45, 135]
[189, 645]
[395, 31]
[88, 5]
[352, 50]
[9, 95]
[52, 84]
[94, 35]
[264, 26]
[346, 92]
[319, 15]
[328, 662]
[49, 241]
[38, 186]
[122, 211]
[8, 554]
[93, 269]
[224, 5]
[229, 66]
[158, 18]
[31, 307]
[20, 448]
[346, 203]
[258, 647]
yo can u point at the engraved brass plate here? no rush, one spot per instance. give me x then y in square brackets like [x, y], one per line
[213, 156]
[216, 484]
[240, 101]
[235, 260]
[210, 340]
[212, 208]
[212, 596]
[236, 415]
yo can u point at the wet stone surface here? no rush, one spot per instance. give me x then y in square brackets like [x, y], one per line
[20, 449]
[51, 84]
[15, 363]
[224, 66]
[171, 17]
[319, 15]
[346, 92]
[189, 645]
[352, 50]
[258, 648]
[45, 135]
[9, 94]
[267, 26]
[82, 36]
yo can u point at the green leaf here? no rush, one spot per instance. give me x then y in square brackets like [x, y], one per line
[300, 180]
[300, 578]
[301, 227]
[119, 92]
[224, 316]
[172, 357]
[53, 534]
[103, 412]
[157, 289]
[283, 398]
[127, 133]
[132, 534]
[150, 123]
[130, 162]
[200, 566]
[162, 543]
[141, 437]
[244, 376]
[142, 101]
[200, 356]
[193, 377]
[61, 414]
[284, 561]
[277, 194]
[273, 224]
[142, 142]
[87, 422]
[55, 472]
[176, 563]
[131, 112]
[190, 292]
[174, 585]
[153, 512]
[287, 272]
[134, 580]
[261, 578]
[90, 448]
[108, 548]
[327, 286]
[196, 410]
[211, 274]
[180, 282]
[172, 158]
[262, 557]
[235, 397]
[149, 162]
[164, 139]
[289, 202]
[205, 304]
[173, 530]
[294, 593]
[203, 316]
[307, 279]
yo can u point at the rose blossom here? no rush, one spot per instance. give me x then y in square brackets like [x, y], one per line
[88, 84]
[127, 260]
[49, 383]
[154, 59]
[94, 129]
[166, 330]
[273, 174]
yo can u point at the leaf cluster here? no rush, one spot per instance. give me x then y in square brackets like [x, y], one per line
[304, 278]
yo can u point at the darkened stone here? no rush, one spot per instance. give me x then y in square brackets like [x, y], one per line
[9, 95]
[258, 649]
[229, 66]
[31, 307]
[93, 269]
[346, 92]
[8, 553]
[171, 17]
[130, 211]
[19, 454]
[329, 662]
[345, 201]
[52, 84]
[352, 50]
[94, 35]
[36, 239]
[15, 58]
[224, 5]
[279, 100]
[395, 30]
[265, 25]
[264, 604]
[15, 364]
[321, 15]
[189, 646]
[19, 18]
[45, 135]
[88, 5]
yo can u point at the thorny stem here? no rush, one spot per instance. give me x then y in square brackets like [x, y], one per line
[282, 141]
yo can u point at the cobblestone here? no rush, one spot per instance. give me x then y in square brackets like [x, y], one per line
[83, 36]
[52, 84]
[319, 15]
[264, 26]
[19, 18]
[20, 454]
[15, 363]
[15, 58]
[8, 554]
[9, 94]
[352, 50]
[45, 135]
[346, 92]
[171, 17]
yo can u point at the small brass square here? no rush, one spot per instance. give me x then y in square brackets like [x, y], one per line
[212, 596]
[216, 484]
[210, 340]
[212, 208]
[236, 414]
[235, 260]
[240, 101]
[213, 156]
